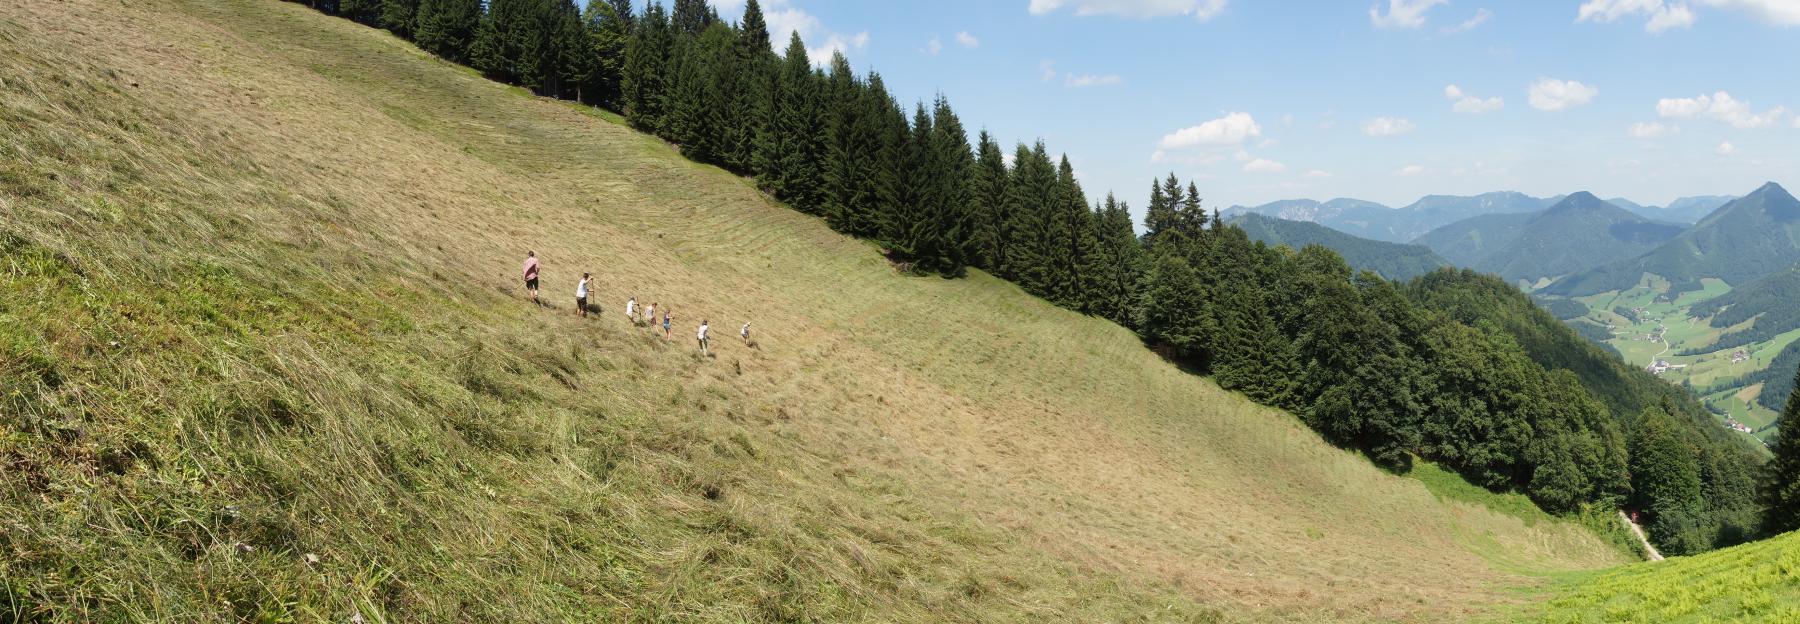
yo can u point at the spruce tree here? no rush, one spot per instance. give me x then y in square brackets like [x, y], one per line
[692, 17]
[1159, 214]
[1781, 476]
[842, 105]
[398, 17]
[644, 79]
[1031, 198]
[952, 166]
[447, 27]
[987, 191]
[1073, 233]
[792, 147]
[752, 89]
[608, 33]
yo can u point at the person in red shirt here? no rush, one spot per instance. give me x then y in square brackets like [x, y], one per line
[531, 275]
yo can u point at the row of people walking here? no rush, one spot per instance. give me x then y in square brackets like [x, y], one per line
[583, 290]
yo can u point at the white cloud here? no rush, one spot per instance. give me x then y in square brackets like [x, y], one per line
[1264, 165]
[1409, 170]
[835, 43]
[1650, 130]
[1470, 104]
[1797, 121]
[1726, 149]
[1661, 15]
[1402, 13]
[1481, 17]
[1722, 107]
[1232, 129]
[1201, 9]
[1089, 80]
[1387, 126]
[1158, 156]
[785, 19]
[964, 39]
[1549, 94]
[1047, 70]
[1287, 120]
[933, 47]
[1317, 173]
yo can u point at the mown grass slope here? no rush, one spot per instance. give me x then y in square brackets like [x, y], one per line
[263, 355]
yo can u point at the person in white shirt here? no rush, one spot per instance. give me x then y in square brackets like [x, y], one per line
[702, 336]
[581, 295]
[745, 332]
[631, 309]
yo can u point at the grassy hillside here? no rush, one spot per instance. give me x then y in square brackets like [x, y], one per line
[264, 356]
[1748, 583]
[1393, 261]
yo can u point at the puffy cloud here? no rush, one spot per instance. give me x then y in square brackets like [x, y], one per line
[1264, 165]
[1387, 126]
[1722, 107]
[835, 43]
[1481, 17]
[1089, 80]
[1232, 129]
[933, 47]
[1726, 149]
[1549, 94]
[964, 39]
[1402, 13]
[1661, 15]
[1201, 9]
[1409, 171]
[1650, 130]
[1465, 103]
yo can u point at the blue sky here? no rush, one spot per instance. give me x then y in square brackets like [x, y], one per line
[1258, 100]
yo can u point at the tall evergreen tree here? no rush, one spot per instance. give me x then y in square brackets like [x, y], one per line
[847, 144]
[1072, 225]
[398, 17]
[988, 185]
[1781, 477]
[644, 79]
[792, 148]
[1031, 199]
[699, 115]
[515, 43]
[447, 27]
[752, 91]
[1117, 266]
[1665, 481]
[608, 33]
[693, 17]
[952, 166]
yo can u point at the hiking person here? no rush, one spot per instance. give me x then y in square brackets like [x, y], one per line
[702, 336]
[650, 315]
[531, 275]
[631, 309]
[745, 332]
[666, 318]
[581, 295]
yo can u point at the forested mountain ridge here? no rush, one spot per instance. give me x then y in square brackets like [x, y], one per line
[1577, 233]
[1393, 261]
[1743, 240]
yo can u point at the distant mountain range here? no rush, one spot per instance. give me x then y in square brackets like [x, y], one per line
[1684, 210]
[1372, 220]
[1396, 225]
[1577, 233]
[1743, 240]
[1394, 261]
